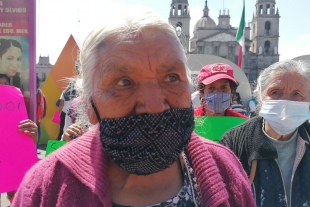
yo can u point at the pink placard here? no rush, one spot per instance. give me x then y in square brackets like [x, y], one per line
[56, 117]
[17, 150]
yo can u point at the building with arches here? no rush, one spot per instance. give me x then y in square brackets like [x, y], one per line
[43, 67]
[218, 38]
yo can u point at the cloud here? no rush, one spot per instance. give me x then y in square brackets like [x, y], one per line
[196, 14]
[290, 49]
[305, 36]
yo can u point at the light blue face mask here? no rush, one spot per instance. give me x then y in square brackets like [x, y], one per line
[285, 116]
[217, 102]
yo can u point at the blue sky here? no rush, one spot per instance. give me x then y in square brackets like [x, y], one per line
[57, 19]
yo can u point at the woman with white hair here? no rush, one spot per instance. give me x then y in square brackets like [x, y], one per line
[144, 151]
[274, 146]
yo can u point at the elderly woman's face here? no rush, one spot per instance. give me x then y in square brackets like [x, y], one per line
[287, 86]
[141, 76]
[10, 61]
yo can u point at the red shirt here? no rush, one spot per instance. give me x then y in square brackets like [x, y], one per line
[228, 112]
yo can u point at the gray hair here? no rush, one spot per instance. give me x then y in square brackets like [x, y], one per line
[126, 27]
[269, 73]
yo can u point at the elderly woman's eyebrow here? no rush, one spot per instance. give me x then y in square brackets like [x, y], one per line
[171, 66]
[117, 67]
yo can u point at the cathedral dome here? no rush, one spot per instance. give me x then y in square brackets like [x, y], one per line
[205, 23]
[265, 1]
[179, 1]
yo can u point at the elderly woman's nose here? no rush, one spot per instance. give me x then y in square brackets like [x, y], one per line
[286, 96]
[152, 100]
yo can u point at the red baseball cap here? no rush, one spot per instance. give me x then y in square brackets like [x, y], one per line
[211, 73]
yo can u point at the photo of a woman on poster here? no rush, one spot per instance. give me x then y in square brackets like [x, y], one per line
[13, 63]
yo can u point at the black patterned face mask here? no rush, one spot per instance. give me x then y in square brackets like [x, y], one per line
[147, 143]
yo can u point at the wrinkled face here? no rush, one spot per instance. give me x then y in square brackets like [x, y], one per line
[287, 86]
[11, 61]
[4, 81]
[221, 85]
[144, 76]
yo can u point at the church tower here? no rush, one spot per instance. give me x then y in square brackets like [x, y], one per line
[265, 29]
[180, 18]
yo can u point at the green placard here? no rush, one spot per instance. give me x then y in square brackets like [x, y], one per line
[53, 145]
[213, 128]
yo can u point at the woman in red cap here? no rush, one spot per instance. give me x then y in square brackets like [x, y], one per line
[215, 84]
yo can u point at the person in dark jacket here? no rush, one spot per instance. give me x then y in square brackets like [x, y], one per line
[274, 146]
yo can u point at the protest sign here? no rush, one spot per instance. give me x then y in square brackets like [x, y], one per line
[53, 145]
[214, 127]
[17, 150]
[17, 30]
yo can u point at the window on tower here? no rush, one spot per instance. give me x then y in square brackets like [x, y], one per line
[268, 8]
[178, 29]
[179, 10]
[267, 27]
[261, 9]
[173, 10]
[185, 10]
[267, 46]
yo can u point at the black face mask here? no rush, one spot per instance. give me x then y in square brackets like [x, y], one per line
[147, 143]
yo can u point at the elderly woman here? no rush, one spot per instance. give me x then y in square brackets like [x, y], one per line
[216, 84]
[143, 152]
[274, 146]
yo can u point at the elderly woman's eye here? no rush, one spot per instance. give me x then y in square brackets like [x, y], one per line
[296, 93]
[172, 78]
[124, 82]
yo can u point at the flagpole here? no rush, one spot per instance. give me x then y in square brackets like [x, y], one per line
[243, 54]
[243, 51]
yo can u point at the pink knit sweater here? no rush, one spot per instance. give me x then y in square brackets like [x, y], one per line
[76, 175]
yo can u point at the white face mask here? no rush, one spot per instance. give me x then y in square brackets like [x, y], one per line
[285, 116]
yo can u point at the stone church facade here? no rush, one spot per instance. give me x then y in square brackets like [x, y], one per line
[211, 38]
[43, 67]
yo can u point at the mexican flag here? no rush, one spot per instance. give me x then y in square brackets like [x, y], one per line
[241, 39]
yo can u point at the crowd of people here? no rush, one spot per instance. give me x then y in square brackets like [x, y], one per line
[130, 127]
